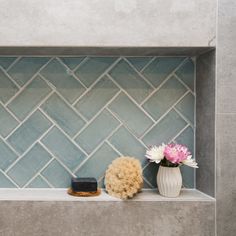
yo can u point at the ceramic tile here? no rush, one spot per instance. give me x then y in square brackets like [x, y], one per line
[8, 120]
[187, 138]
[150, 173]
[7, 88]
[25, 68]
[130, 114]
[29, 165]
[130, 81]
[5, 62]
[83, 100]
[7, 156]
[5, 182]
[161, 68]
[97, 97]
[94, 67]
[72, 62]
[63, 115]
[128, 145]
[29, 131]
[186, 73]
[164, 131]
[139, 62]
[162, 100]
[38, 182]
[186, 107]
[58, 75]
[97, 164]
[97, 131]
[29, 98]
[63, 148]
[57, 175]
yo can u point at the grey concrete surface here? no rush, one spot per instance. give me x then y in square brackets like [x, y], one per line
[107, 23]
[205, 123]
[226, 174]
[107, 218]
[226, 119]
[106, 51]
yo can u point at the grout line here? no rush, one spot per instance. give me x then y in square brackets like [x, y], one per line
[148, 64]
[72, 71]
[126, 127]
[68, 70]
[95, 150]
[141, 75]
[183, 117]
[86, 58]
[185, 85]
[21, 90]
[9, 146]
[163, 115]
[179, 133]
[14, 62]
[26, 151]
[113, 147]
[95, 82]
[56, 158]
[38, 172]
[62, 98]
[150, 185]
[9, 77]
[6, 69]
[28, 116]
[27, 83]
[62, 131]
[72, 107]
[9, 111]
[9, 178]
[163, 82]
[126, 93]
[97, 114]
[51, 185]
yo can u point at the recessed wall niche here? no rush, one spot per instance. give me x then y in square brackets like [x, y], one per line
[72, 115]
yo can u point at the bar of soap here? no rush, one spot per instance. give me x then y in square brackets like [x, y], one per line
[84, 184]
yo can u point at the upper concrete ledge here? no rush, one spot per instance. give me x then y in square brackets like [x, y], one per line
[104, 51]
[120, 23]
[61, 195]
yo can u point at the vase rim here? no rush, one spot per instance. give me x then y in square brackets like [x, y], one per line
[169, 167]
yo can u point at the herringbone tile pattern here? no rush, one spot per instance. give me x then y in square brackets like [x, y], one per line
[71, 116]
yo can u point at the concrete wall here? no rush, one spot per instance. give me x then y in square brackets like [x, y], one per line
[226, 118]
[144, 23]
[107, 23]
[205, 122]
[107, 218]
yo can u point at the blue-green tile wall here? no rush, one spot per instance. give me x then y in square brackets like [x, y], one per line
[71, 116]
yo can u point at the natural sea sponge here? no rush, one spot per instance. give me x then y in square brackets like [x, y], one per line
[123, 178]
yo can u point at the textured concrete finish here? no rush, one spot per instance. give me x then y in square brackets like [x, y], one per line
[106, 51]
[205, 123]
[226, 174]
[107, 23]
[107, 218]
[226, 119]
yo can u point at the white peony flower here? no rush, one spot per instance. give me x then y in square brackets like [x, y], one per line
[155, 154]
[190, 162]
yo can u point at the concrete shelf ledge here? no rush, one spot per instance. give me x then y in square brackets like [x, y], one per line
[61, 195]
[46, 212]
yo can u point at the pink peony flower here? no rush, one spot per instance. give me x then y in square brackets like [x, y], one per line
[176, 153]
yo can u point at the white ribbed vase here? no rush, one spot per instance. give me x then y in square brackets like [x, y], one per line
[169, 181]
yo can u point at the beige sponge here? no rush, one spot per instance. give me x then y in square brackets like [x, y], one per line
[123, 178]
